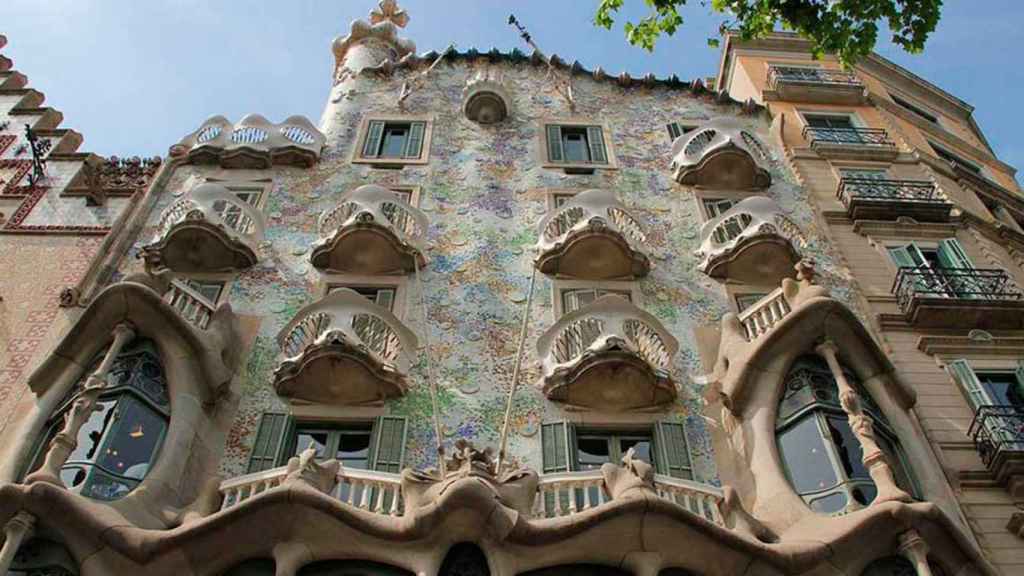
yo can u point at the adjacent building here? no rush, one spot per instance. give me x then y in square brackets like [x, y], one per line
[501, 314]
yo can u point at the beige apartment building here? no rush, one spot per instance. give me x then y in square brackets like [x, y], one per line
[501, 314]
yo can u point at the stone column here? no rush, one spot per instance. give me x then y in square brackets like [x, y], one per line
[65, 442]
[16, 531]
[915, 549]
[874, 458]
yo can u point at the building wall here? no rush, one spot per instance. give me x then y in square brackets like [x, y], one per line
[942, 408]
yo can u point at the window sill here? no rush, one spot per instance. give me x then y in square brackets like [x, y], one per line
[391, 163]
[579, 168]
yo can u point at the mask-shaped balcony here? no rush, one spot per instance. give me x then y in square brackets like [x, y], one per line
[720, 154]
[592, 237]
[751, 242]
[253, 143]
[609, 356]
[344, 350]
[371, 231]
[211, 229]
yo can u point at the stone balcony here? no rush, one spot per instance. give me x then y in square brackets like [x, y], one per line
[998, 434]
[872, 199]
[370, 231]
[751, 242]
[959, 298]
[608, 356]
[210, 229]
[721, 154]
[592, 237]
[851, 143]
[814, 85]
[344, 350]
[253, 142]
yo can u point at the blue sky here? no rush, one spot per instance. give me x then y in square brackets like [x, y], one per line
[134, 77]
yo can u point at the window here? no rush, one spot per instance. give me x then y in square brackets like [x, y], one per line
[744, 301]
[955, 159]
[404, 193]
[208, 289]
[233, 215]
[394, 141]
[933, 268]
[575, 298]
[376, 445]
[349, 445]
[383, 296]
[122, 437]
[915, 109]
[675, 130]
[596, 448]
[830, 122]
[663, 444]
[560, 199]
[715, 207]
[819, 450]
[990, 387]
[40, 557]
[576, 145]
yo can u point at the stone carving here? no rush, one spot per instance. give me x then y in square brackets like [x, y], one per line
[741, 521]
[512, 487]
[304, 469]
[634, 479]
[388, 10]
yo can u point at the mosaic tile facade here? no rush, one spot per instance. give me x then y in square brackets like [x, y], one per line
[484, 192]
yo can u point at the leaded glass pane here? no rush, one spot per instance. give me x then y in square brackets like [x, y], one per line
[802, 449]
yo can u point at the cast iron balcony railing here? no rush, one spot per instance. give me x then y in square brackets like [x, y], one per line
[371, 231]
[822, 76]
[592, 237]
[998, 434]
[211, 229]
[608, 355]
[344, 350]
[873, 137]
[877, 199]
[814, 85]
[953, 297]
[751, 242]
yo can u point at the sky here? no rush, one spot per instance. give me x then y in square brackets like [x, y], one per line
[134, 77]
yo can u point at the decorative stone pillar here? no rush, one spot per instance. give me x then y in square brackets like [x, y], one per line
[16, 531]
[915, 549]
[65, 442]
[874, 459]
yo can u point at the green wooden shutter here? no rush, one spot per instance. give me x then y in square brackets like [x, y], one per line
[952, 255]
[595, 139]
[964, 375]
[555, 143]
[558, 442]
[414, 143]
[674, 130]
[374, 132]
[672, 456]
[906, 256]
[269, 441]
[388, 450]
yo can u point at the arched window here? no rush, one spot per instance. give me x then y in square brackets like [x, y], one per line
[580, 570]
[120, 441]
[465, 559]
[39, 557]
[253, 567]
[822, 456]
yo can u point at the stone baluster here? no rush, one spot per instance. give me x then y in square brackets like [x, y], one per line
[874, 459]
[915, 549]
[16, 531]
[65, 442]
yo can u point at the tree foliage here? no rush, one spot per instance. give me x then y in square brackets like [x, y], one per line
[847, 28]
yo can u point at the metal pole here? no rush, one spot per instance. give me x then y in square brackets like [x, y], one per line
[515, 372]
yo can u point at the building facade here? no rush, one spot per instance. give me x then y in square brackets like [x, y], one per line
[500, 314]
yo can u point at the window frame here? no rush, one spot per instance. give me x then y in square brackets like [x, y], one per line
[560, 286]
[413, 190]
[919, 111]
[614, 437]
[544, 153]
[335, 430]
[363, 133]
[400, 284]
